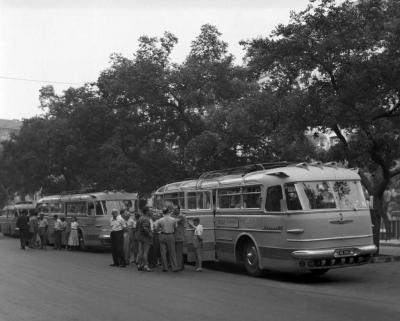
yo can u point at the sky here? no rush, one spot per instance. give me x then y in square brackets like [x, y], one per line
[66, 43]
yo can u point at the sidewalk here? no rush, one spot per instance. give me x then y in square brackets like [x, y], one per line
[389, 251]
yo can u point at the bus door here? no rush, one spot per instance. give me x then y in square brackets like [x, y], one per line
[102, 221]
[199, 204]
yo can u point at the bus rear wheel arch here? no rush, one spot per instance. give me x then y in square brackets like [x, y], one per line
[247, 254]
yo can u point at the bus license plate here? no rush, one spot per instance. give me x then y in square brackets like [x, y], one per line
[343, 252]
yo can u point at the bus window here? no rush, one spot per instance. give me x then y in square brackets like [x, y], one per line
[128, 204]
[76, 208]
[292, 199]
[252, 197]
[203, 200]
[191, 200]
[90, 209]
[274, 197]
[174, 199]
[158, 202]
[349, 194]
[319, 195]
[99, 209]
[229, 198]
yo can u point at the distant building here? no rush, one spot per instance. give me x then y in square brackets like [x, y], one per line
[8, 127]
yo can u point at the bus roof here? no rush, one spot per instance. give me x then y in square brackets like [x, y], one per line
[285, 173]
[97, 196]
[20, 205]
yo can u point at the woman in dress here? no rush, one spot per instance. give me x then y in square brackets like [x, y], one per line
[73, 240]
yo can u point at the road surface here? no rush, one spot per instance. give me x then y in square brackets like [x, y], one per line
[63, 285]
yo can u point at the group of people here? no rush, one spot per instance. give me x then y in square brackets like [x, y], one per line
[153, 240]
[146, 240]
[33, 231]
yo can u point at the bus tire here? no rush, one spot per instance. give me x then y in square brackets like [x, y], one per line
[319, 272]
[82, 244]
[251, 260]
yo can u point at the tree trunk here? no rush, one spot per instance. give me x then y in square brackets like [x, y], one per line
[376, 227]
[377, 214]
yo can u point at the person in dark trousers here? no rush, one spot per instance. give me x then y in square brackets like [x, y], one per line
[145, 238]
[58, 226]
[118, 225]
[22, 224]
[179, 236]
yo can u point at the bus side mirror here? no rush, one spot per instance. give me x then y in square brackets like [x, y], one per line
[283, 205]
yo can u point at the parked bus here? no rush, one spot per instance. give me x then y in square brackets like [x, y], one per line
[10, 213]
[281, 216]
[93, 211]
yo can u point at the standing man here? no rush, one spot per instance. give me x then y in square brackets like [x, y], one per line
[33, 230]
[58, 226]
[118, 225]
[22, 224]
[145, 238]
[179, 236]
[43, 226]
[167, 225]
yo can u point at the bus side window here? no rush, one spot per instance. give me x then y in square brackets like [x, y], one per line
[99, 209]
[91, 210]
[273, 201]
[292, 199]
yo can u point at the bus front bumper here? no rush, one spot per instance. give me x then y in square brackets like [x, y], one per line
[335, 252]
[334, 257]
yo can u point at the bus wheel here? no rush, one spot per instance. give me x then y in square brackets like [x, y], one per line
[82, 245]
[251, 260]
[319, 272]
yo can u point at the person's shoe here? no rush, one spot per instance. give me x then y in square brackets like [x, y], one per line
[165, 270]
[113, 264]
[198, 270]
[122, 265]
[147, 269]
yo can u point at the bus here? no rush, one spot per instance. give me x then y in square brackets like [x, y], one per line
[277, 216]
[92, 210]
[10, 213]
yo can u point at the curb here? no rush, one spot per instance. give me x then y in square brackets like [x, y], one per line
[385, 259]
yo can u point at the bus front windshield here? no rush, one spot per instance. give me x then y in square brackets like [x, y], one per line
[119, 205]
[319, 195]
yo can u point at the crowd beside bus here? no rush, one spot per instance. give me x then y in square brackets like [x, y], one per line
[147, 240]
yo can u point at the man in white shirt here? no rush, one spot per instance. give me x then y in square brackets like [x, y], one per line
[118, 225]
[58, 226]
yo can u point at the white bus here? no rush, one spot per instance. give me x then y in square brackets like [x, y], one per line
[281, 216]
[93, 211]
[9, 215]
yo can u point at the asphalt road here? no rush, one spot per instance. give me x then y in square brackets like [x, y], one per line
[62, 285]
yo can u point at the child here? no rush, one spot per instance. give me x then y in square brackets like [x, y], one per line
[197, 241]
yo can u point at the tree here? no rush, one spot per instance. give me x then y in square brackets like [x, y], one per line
[342, 58]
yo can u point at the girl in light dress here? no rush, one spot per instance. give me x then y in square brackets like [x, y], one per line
[73, 240]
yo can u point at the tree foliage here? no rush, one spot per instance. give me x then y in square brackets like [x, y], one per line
[342, 58]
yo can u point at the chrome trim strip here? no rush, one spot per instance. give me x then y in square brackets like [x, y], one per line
[295, 231]
[329, 253]
[229, 239]
[330, 238]
[237, 229]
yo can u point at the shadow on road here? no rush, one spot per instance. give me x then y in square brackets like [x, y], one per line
[298, 278]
